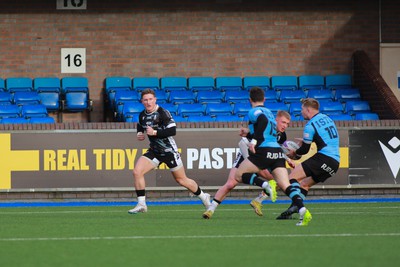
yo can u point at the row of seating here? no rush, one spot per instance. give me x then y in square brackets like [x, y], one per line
[131, 110]
[29, 113]
[32, 120]
[69, 94]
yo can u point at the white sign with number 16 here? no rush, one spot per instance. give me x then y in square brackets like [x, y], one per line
[73, 60]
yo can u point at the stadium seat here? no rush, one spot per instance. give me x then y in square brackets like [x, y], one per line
[241, 109]
[173, 83]
[17, 120]
[122, 97]
[336, 81]
[170, 107]
[366, 116]
[131, 111]
[19, 84]
[195, 109]
[308, 82]
[341, 117]
[288, 96]
[42, 120]
[347, 94]
[141, 83]
[49, 89]
[259, 81]
[181, 97]
[76, 94]
[205, 97]
[6, 98]
[295, 109]
[196, 84]
[162, 96]
[320, 94]
[279, 83]
[116, 84]
[233, 83]
[330, 108]
[2, 85]
[9, 111]
[353, 107]
[271, 96]
[233, 97]
[228, 118]
[178, 118]
[275, 107]
[29, 111]
[202, 118]
[26, 98]
[214, 109]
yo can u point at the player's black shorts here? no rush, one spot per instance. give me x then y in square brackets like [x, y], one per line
[320, 167]
[268, 158]
[172, 159]
[239, 159]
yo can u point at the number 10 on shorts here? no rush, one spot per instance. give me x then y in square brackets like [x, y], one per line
[73, 60]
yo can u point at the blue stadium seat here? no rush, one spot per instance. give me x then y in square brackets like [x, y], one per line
[179, 118]
[42, 120]
[76, 94]
[275, 107]
[19, 84]
[131, 111]
[29, 111]
[141, 83]
[115, 84]
[295, 109]
[233, 83]
[195, 109]
[308, 82]
[330, 108]
[279, 83]
[26, 98]
[17, 120]
[9, 111]
[214, 109]
[241, 109]
[320, 94]
[271, 96]
[162, 96]
[205, 97]
[196, 84]
[173, 83]
[181, 97]
[336, 81]
[366, 116]
[170, 107]
[2, 85]
[6, 98]
[228, 118]
[353, 107]
[259, 81]
[49, 89]
[341, 117]
[202, 118]
[122, 97]
[347, 94]
[233, 97]
[288, 96]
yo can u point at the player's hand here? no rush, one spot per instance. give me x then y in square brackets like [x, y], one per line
[291, 163]
[140, 136]
[150, 131]
[252, 148]
[243, 131]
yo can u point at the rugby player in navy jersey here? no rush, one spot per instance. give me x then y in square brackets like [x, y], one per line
[159, 126]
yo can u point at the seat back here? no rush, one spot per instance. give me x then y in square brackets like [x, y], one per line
[315, 82]
[215, 109]
[131, 111]
[229, 83]
[284, 83]
[47, 84]
[200, 118]
[336, 81]
[228, 118]
[9, 111]
[288, 96]
[275, 107]
[259, 81]
[16, 84]
[366, 116]
[330, 108]
[241, 109]
[74, 84]
[320, 94]
[173, 83]
[2, 85]
[181, 97]
[170, 107]
[26, 98]
[6, 98]
[233, 97]
[185, 110]
[141, 83]
[29, 111]
[347, 94]
[341, 117]
[205, 97]
[361, 106]
[196, 84]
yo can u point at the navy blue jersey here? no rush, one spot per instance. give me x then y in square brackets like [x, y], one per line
[322, 130]
[269, 136]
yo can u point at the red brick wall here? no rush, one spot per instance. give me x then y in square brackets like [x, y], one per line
[198, 38]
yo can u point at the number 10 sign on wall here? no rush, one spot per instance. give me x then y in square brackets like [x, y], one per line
[73, 60]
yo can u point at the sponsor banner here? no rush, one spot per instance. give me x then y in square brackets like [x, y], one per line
[374, 156]
[83, 159]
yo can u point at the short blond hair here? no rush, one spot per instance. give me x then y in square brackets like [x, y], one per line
[283, 113]
[310, 103]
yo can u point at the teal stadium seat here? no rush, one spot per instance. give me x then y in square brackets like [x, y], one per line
[320, 94]
[289, 96]
[9, 111]
[214, 109]
[197, 84]
[279, 83]
[6, 98]
[141, 83]
[347, 94]
[26, 98]
[181, 97]
[2, 85]
[49, 89]
[234, 97]
[366, 116]
[259, 81]
[76, 94]
[205, 97]
[116, 84]
[169, 84]
[354, 107]
[314, 82]
[336, 81]
[30, 111]
[233, 83]
[195, 109]
[18, 84]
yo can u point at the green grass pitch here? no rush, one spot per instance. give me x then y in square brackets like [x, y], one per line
[340, 234]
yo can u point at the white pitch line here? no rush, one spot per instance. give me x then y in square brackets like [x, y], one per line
[94, 238]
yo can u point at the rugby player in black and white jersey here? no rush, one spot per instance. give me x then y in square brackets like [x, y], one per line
[159, 126]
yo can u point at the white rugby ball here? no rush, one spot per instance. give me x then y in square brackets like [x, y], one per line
[288, 146]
